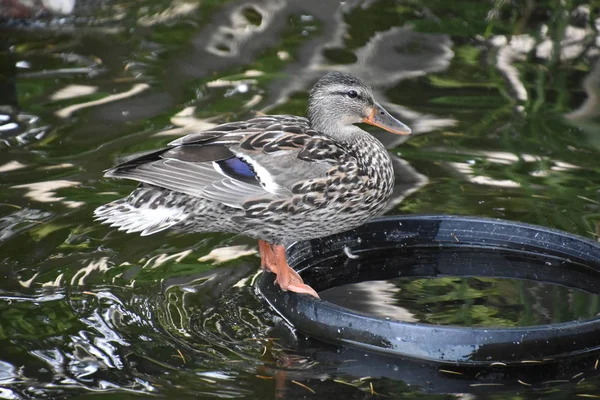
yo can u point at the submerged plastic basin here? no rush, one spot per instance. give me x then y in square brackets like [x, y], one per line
[441, 246]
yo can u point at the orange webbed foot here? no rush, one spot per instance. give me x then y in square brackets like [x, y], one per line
[273, 258]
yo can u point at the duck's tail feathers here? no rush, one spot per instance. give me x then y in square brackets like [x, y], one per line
[143, 211]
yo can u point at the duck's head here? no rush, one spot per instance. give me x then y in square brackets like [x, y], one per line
[338, 101]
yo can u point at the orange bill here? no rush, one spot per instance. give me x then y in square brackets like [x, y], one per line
[381, 118]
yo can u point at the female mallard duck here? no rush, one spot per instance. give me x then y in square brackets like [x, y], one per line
[277, 178]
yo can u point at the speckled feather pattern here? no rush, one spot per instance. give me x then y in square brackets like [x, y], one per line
[277, 178]
[351, 184]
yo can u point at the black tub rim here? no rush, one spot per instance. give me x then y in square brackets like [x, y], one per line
[442, 343]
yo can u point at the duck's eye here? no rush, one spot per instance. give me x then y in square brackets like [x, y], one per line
[352, 94]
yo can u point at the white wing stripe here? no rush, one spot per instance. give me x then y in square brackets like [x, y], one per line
[264, 176]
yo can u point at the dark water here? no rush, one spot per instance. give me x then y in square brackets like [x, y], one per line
[504, 96]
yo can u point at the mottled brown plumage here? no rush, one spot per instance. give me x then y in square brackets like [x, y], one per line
[278, 178]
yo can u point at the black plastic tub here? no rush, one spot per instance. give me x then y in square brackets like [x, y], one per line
[442, 246]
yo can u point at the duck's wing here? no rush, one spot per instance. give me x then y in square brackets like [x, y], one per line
[267, 158]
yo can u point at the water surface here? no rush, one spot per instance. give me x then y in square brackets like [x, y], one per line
[503, 96]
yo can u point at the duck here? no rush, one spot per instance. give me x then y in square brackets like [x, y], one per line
[275, 178]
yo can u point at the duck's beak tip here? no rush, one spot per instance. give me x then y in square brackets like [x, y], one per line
[381, 118]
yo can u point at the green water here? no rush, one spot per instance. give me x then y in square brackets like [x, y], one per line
[504, 97]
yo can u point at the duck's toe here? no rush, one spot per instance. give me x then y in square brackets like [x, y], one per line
[302, 288]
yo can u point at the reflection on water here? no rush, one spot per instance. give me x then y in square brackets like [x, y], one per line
[467, 301]
[504, 96]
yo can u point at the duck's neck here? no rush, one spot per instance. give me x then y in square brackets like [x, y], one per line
[347, 134]
[353, 137]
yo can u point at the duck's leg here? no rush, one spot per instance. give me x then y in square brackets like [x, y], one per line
[273, 258]
[267, 259]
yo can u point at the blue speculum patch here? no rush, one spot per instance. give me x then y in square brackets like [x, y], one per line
[238, 169]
